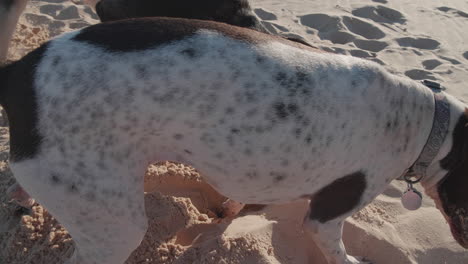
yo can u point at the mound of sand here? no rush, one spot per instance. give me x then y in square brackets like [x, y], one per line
[408, 37]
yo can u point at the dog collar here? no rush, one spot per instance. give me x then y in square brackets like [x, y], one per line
[412, 198]
[437, 136]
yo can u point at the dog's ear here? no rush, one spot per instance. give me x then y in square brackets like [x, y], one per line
[452, 189]
[466, 116]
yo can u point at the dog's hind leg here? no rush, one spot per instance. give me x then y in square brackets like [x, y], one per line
[102, 209]
[108, 236]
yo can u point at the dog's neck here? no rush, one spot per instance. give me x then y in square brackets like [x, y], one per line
[435, 172]
[10, 12]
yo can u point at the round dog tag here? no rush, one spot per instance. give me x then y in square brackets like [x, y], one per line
[411, 199]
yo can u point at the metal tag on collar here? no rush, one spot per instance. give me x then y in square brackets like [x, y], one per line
[411, 198]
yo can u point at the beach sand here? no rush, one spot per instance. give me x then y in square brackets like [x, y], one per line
[419, 39]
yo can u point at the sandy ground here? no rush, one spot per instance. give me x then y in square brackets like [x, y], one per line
[416, 38]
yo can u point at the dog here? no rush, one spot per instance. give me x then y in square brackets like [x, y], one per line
[264, 119]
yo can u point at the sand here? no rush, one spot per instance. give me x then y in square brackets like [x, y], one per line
[416, 38]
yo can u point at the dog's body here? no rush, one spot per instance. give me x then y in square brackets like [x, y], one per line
[263, 119]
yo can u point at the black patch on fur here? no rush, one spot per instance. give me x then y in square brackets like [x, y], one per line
[188, 151]
[280, 110]
[190, 52]
[143, 33]
[18, 98]
[72, 188]
[277, 176]
[452, 188]
[337, 198]
[55, 179]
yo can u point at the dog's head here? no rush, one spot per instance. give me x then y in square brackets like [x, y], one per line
[234, 12]
[451, 192]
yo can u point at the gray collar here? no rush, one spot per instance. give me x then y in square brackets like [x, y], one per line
[435, 140]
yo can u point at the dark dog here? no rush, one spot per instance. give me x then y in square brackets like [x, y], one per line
[233, 12]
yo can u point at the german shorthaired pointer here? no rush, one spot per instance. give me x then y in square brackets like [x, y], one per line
[264, 119]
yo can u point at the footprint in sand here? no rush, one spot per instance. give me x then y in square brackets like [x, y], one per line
[453, 61]
[453, 11]
[90, 12]
[380, 14]
[363, 28]
[55, 27]
[264, 14]
[59, 12]
[420, 43]
[51, 10]
[321, 22]
[417, 74]
[370, 45]
[465, 55]
[274, 28]
[333, 28]
[360, 53]
[329, 27]
[431, 64]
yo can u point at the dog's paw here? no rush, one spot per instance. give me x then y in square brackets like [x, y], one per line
[19, 196]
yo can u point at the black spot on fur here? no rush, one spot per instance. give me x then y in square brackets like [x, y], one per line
[56, 60]
[55, 179]
[188, 151]
[178, 136]
[19, 100]
[190, 52]
[252, 174]
[277, 177]
[229, 110]
[72, 188]
[280, 110]
[388, 125]
[297, 132]
[337, 198]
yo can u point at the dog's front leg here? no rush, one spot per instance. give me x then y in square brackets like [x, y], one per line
[328, 237]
